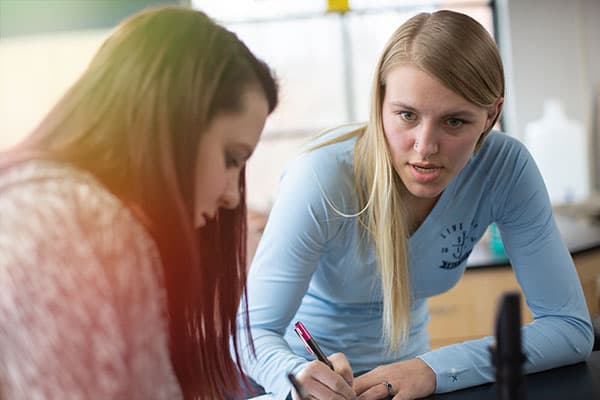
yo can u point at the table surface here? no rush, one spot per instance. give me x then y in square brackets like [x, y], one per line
[575, 382]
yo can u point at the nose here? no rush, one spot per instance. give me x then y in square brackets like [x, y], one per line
[231, 196]
[426, 142]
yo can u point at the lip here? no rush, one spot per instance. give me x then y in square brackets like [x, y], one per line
[424, 172]
[424, 164]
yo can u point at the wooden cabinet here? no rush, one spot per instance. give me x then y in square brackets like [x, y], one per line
[468, 310]
[588, 268]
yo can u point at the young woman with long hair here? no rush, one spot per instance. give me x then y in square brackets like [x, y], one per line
[122, 218]
[373, 219]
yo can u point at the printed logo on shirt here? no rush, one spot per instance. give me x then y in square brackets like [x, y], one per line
[458, 244]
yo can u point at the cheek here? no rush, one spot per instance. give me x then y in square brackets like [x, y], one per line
[390, 127]
[398, 140]
[215, 183]
[210, 180]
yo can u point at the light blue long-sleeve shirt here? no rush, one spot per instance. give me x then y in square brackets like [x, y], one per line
[309, 266]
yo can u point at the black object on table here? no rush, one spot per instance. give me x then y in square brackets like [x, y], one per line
[506, 353]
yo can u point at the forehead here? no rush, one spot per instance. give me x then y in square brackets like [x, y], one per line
[246, 124]
[411, 86]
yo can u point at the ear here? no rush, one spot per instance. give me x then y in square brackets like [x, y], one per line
[493, 113]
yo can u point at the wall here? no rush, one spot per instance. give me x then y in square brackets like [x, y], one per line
[44, 47]
[551, 50]
[35, 70]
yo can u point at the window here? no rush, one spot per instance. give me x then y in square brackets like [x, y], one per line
[324, 61]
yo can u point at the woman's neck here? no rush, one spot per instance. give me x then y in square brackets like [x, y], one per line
[417, 210]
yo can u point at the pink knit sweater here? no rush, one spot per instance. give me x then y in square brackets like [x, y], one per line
[82, 304]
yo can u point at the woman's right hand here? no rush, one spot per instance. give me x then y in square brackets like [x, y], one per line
[323, 383]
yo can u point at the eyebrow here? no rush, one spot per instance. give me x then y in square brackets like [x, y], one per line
[402, 105]
[455, 113]
[461, 113]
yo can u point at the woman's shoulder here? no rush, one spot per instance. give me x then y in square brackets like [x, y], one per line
[55, 188]
[47, 203]
[323, 172]
[330, 153]
[329, 159]
[77, 261]
[499, 153]
[337, 142]
[502, 164]
[496, 164]
[28, 179]
[500, 144]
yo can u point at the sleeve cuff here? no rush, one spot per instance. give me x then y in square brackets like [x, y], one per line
[456, 368]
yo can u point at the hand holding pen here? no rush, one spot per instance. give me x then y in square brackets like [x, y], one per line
[324, 377]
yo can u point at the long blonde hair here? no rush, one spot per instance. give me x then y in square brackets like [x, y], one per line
[459, 52]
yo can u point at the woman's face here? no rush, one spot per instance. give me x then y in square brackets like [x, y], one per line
[222, 152]
[431, 131]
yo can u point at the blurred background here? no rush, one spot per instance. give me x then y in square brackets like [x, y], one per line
[324, 53]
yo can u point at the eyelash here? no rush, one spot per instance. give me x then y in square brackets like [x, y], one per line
[461, 121]
[404, 114]
[231, 162]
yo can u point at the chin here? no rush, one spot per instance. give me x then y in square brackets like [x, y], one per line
[425, 193]
[429, 196]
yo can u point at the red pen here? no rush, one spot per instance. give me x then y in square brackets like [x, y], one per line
[311, 344]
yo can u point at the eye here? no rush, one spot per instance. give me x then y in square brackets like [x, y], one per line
[455, 122]
[231, 161]
[408, 115]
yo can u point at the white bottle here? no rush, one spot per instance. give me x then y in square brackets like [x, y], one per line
[559, 148]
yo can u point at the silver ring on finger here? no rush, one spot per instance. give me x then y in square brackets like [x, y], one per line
[389, 387]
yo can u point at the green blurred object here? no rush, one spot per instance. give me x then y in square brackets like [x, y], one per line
[27, 17]
[495, 241]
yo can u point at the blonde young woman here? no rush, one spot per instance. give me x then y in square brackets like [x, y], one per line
[122, 219]
[374, 219]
